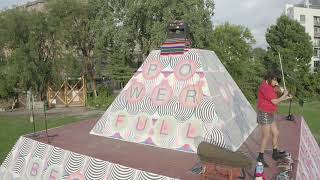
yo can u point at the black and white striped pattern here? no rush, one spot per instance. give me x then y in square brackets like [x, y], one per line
[93, 169]
[40, 150]
[183, 113]
[7, 160]
[134, 108]
[216, 137]
[120, 102]
[165, 142]
[74, 163]
[152, 56]
[193, 56]
[149, 84]
[119, 172]
[100, 125]
[150, 176]
[18, 165]
[178, 86]
[96, 169]
[169, 108]
[25, 146]
[189, 56]
[174, 60]
[205, 110]
[165, 61]
[147, 106]
[56, 156]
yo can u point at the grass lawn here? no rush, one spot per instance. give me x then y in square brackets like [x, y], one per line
[12, 127]
[310, 112]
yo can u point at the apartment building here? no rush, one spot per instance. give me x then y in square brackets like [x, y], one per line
[308, 14]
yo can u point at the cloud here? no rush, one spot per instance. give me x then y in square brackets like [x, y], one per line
[9, 3]
[249, 4]
[257, 15]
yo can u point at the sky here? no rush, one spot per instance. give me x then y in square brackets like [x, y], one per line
[257, 15]
[9, 3]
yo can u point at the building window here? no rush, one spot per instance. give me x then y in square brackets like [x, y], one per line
[302, 18]
[315, 53]
[316, 64]
[316, 20]
[316, 31]
[316, 42]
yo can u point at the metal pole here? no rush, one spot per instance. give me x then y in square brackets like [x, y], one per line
[284, 83]
[45, 119]
[32, 116]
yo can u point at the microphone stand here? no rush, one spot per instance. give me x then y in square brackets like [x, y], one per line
[290, 116]
[45, 106]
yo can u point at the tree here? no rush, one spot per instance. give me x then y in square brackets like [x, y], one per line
[233, 46]
[115, 45]
[77, 28]
[137, 26]
[29, 58]
[148, 20]
[288, 38]
[79, 34]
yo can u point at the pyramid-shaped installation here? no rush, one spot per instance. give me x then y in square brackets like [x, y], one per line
[173, 102]
[177, 101]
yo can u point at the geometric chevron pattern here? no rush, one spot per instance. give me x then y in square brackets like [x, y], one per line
[308, 165]
[31, 159]
[177, 101]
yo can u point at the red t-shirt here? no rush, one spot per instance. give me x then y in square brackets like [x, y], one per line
[265, 94]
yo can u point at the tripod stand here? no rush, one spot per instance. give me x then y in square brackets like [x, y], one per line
[290, 116]
[45, 107]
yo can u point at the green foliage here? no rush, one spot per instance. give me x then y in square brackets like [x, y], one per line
[72, 37]
[106, 38]
[289, 39]
[25, 35]
[147, 20]
[104, 90]
[104, 99]
[136, 27]
[233, 46]
[75, 26]
[101, 102]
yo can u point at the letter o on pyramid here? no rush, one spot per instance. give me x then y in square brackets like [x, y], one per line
[152, 69]
[185, 70]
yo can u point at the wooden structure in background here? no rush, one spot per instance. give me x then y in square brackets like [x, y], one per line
[71, 93]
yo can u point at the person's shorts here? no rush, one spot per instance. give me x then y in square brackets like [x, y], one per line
[265, 118]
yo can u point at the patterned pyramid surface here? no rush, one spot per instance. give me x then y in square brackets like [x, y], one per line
[30, 159]
[177, 101]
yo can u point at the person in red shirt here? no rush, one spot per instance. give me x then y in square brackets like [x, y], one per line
[268, 101]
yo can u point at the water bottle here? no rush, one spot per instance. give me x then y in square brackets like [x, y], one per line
[259, 168]
[259, 175]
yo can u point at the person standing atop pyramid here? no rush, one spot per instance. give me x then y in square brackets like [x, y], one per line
[268, 101]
